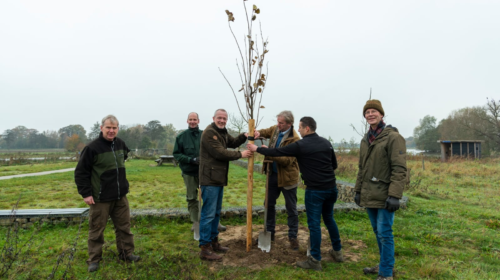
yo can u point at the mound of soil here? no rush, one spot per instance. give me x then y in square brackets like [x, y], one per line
[235, 238]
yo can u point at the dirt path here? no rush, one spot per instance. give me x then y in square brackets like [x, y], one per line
[37, 174]
[235, 239]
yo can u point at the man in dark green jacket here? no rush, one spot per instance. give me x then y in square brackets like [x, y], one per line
[187, 153]
[380, 182]
[101, 180]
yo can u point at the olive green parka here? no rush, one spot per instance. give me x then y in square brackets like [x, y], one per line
[382, 168]
[214, 155]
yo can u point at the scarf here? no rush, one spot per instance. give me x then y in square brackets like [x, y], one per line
[372, 134]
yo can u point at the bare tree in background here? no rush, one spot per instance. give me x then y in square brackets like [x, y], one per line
[364, 125]
[237, 123]
[253, 83]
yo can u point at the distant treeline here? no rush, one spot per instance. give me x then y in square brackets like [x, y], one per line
[470, 123]
[152, 135]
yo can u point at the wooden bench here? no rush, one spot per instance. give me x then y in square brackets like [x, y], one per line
[165, 158]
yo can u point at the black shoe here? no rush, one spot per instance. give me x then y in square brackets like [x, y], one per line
[93, 267]
[272, 236]
[131, 258]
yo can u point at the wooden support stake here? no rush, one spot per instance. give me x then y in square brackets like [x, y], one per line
[251, 128]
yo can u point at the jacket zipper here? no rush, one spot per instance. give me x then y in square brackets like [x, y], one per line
[117, 171]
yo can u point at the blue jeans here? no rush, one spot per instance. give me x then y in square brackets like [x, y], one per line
[382, 221]
[210, 213]
[321, 203]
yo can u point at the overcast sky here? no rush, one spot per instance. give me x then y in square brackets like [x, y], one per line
[73, 62]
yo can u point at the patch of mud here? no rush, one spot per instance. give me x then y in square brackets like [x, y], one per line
[235, 238]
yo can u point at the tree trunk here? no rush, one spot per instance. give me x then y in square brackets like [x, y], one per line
[251, 128]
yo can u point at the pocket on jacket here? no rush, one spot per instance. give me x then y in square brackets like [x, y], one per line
[378, 190]
[218, 174]
[109, 185]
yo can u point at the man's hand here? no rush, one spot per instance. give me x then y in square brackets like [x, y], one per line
[256, 134]
[195, 161]
[89, 200]
[263, 146]
[392, 204]
[357, 198]
[252, 147]
[246, 154]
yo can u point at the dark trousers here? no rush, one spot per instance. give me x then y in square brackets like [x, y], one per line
[290, 204]
[119, 212]
[320, 203]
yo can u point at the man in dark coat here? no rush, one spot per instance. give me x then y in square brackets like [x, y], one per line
[101, 180]
[214, 167]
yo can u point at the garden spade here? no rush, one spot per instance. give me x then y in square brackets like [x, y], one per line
[309, 246]
[196, 225]
[265, 236]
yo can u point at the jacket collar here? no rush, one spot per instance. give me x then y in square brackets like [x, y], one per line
[311, 135]
[101, 137]
[221, 131]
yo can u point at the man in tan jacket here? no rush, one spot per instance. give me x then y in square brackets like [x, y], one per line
[284, 175]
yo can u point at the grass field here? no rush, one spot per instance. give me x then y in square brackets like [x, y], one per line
[451, 229]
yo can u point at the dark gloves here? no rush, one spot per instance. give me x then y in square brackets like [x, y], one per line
[195, 161]
[392, 204]
[357, 199]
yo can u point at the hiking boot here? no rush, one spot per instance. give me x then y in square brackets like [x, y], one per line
[294, 243]
[338, 256]
[374, 270]
[93, 267]
[380, 277]
[131, 258]
[208, 254]
[221, 227]
[217, 247]
[310, 263]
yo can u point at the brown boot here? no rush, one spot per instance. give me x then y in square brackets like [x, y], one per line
[217, 247]
[294, 243]
[208, 254]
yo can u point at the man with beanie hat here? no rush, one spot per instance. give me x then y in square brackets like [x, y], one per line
[380, 182]
[187, 153]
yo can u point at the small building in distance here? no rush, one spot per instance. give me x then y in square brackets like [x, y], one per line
[463, 148]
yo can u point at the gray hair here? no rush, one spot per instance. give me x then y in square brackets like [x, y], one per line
[197, 116]
[111, 118]
[219, 110]
[287, 115]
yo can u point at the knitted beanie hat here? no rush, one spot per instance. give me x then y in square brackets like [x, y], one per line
[373, 104]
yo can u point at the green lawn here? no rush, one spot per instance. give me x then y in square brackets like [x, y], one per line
[451, 229]
[151, 187]
[34, 168]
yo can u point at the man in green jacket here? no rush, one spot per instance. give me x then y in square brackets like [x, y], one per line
[187, 153]
[214, 167]
[380, 182]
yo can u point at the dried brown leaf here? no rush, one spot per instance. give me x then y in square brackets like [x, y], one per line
[262, 107]
[254, 7]
[257, 11]
[254, 17]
